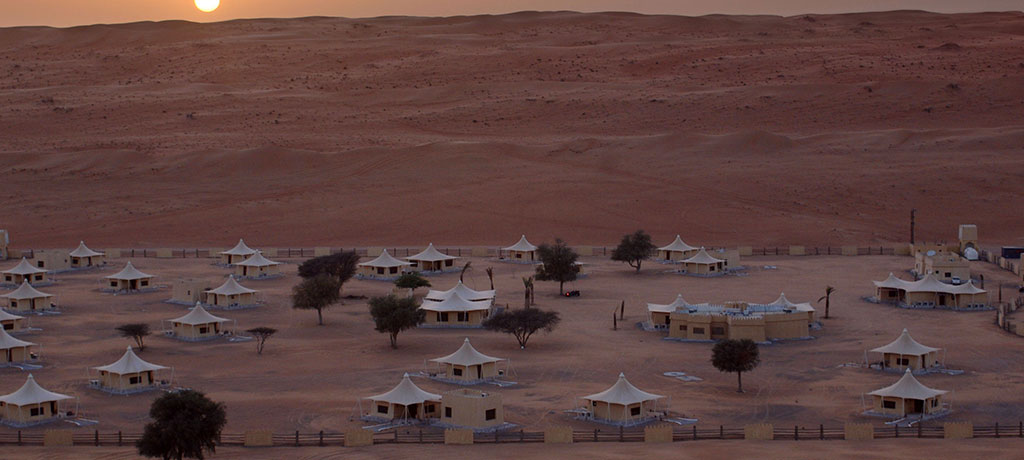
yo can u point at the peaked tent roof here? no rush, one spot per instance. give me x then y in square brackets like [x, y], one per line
[522, 245]
[668, 308]
[928, 284]
[385, 260]
[7, 341]
[83, 251]
[257, 260]
[892, 282]
[129, 272]
[431, 255]
[907, 387]
[4, 316]
[24, 268]
[240, 249]
[677, 245]
[406, 393]
[968, 288]
[466, 355]
[463, 291]
[231, 287]
[32, 393]
[623, 393]
[783, 302]
[199, 315]
[129, 363]
[702, 257]
[25, 291]
[455, 303]
[905, 345]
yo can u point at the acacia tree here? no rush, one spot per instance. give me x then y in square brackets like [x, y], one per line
[393, 314]
[558, 263]
[316, 293]
[261, 334]
[186, 424]
[342, 266]
[522, 323]
[827, 298]
[634, 249]
[737, 356]
[411, 281]
[136, 331]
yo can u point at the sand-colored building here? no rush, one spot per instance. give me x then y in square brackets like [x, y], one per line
[384, 267]
[405, 403]
[31, 405]
[907, 353]
[188, 291]
[473, 409]
[127, 375]
[27, 299]
[12, 323]
[929, 292]
[237, 254]
[432, 260]
[51, 260]
[907, 398]
[522, 251]
[14, 350]
[467, 366]
[83, 257]
[677, 250]
[5, 241]
[197, 325]
[623, 404]
[947, 267]
[703, 264]
[779, 320]
[231, 295]
[968, 235]
[129, 279]
[257, 267]
[24, 271]
[658, 314]
[463, 291]
[455, 312]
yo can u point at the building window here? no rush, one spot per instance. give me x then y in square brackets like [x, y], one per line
[448, 263]
[634, 411]
[948, 274]
[145, 282]
[718, 330]
[491, 414]
[682, 327]
[113, 284]
[39, 277]
[203, 330]
[935, 403]
[903, 361]
[382, 409]
[134, 380]
[889, 404]
[456, 371]
[41, 264]
[380, 270]
[698, 330]
[428, 409]
[394, 270]
[443, 317]
[36, 411]
[447, 412]
[463, 316]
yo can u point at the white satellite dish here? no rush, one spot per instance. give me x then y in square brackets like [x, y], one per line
[930, 253]
[971, 254]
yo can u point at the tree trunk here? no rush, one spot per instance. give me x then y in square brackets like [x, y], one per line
[638, 265]
[561, 288]
[828, 298]
[320, 316]
[739, 380]
[394, 340]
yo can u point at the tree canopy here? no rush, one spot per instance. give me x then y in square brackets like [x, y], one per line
[261, 334]
[342, 266]
[136, 331]
[737, 356]
[316, 293]
[558, 263]
[522, 323]
[634, 249]
[392, 314]
[186, 424]
[411, 281]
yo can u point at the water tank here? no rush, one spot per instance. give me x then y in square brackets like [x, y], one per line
[971, 254]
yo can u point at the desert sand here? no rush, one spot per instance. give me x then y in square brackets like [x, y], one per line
[735, 130]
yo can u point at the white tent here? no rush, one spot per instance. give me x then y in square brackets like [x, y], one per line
[623, 393]
[455, 303]
[129, 273]
[257, 266]
[20, 408]
[385, 260]
[892, 282]
[24, 269]
[622, 404]
[197, 325]
[383, 266]
[522, 246]
[8, 342]
[198, 316]
[668, 308]
[431, 259]
[405, 401]
[463, 291]
[32, 393]
[83, 251]
[467, 356]
[231, 287]
[130, 363]
[240, 249]
[406, 393]
[25, 291]
[702, 257]
[905, 345]
[257, 260]
[908, 387]
[784, 303]
[677, 246]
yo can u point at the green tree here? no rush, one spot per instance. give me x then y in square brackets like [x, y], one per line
[186, 424]
[316, 293]
[827, 298]
[522, 323]
[634, 249]
[342, 266]
[737, 356]
[558, 263]
[261, 334]
[136, 331]
[393, 314]
[411, 281]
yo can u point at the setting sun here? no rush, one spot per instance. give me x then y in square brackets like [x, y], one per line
[207, 6]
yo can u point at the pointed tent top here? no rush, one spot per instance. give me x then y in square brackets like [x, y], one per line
[240, 249]
[25, 291]
[907, 387]
[128, 273]
[968, 288]
[406, 393]
[130, 363]
[199, 315]
[32, 393]
[466, 355]
[4, 316]
[257, 260]
[463, 291]
[905, 345]
[678, 245]
[83, 251]
[385, 260]
[522, 245]
[24, 268]
[455, 303]
[668, 308]
[931, 284]
[231, 287]
[623, 393]
[702, 257]
[431, 255]
[783, 302]
[892, 282]
[7, 341]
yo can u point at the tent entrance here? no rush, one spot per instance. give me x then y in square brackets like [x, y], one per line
[411, 410]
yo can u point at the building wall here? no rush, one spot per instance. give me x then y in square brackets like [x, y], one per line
[786, 326]
[127, 285]
[486, 371]
[892, 360]
[16, 354]
[82, 262]
[946, 266]
[380, 271]
[123, 381]
[702, 326]
[222, 300]
[618, 412]
[36, 304]
[469, 408]
[906, 406]
[195, 332]
[52, 260]
[12, 278]
[23, 414]
[189, 290]
[474, 318]
[13, 324]
[522, 255]
[255, 272]
[429, 409]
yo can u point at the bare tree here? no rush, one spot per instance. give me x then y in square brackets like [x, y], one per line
[261, 334]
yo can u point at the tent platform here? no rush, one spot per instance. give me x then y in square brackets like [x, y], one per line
[261, 278]
[95, 385]
[910, 420]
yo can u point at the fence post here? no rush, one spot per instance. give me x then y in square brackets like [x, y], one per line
[296, 438]
[396, 435]
[997, 429]
[896, 429]
[595, 434]
[919, 428]
[695, 432]
[821, 432]
[96, 437]
[495, 436]
[19, 437]
[119, 438]
[1020, 429]
[621, 429]
[721, 432]
[522, 435]
[321, 437]
[421, 435]
[796, 432]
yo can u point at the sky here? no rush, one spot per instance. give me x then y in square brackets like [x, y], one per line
[63, 13]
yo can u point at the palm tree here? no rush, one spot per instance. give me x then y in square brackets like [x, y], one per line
[490, 275]
[465, 268]
[528, 286]
[827, 297]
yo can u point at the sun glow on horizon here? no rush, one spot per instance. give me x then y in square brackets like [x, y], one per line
[207, 6]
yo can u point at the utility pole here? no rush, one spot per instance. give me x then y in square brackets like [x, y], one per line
[913, 211]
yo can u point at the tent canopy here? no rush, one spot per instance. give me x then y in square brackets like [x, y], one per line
[129, 363]
[32, 393]
[905, 345]
[257, 260]
[907, 387]
[523, 246]
[466, 355]
[406, 393]
[24, 268]
[783, 302]
[199, 315]
[7, 341]
[4, 316]
[677, 245]
[623, 393]
[463, 291]
[385, 260]
[455, 303]
[928, 284]
[702, 257]
[431, 255]
[128, 273]
[83, 251]
[231, 287]
[26, 291]
[668, 308]
[240, 249]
